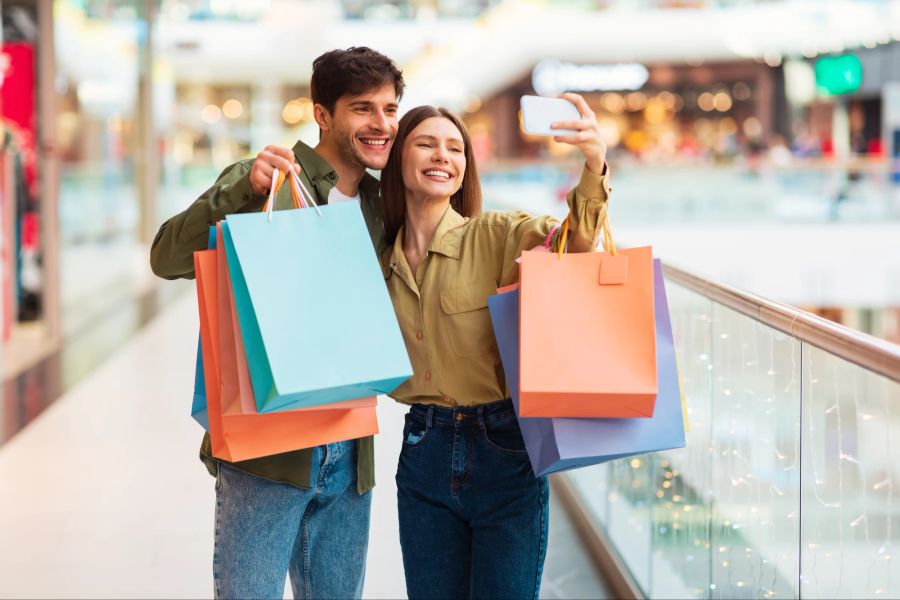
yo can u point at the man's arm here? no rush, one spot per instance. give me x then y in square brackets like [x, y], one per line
[242, 187]
[172, 252]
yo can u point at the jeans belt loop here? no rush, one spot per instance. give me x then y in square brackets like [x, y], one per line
[480, 412]
[429, 417]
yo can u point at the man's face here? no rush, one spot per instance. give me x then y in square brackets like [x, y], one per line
[364, 126]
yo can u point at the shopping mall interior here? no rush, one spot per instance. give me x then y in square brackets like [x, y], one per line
[754, 144]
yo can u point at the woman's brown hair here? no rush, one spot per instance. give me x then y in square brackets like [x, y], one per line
[466, 201]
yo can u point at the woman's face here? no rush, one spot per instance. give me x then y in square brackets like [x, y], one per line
[434, 159]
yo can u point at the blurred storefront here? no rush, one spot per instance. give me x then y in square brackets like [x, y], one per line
[27, 177]
[704, 112]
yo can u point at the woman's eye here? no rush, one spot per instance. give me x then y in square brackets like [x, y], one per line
[424, 145]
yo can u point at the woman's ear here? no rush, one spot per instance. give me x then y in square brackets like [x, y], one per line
[322, 116]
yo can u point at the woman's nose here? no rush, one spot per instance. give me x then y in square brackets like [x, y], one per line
[440, 155]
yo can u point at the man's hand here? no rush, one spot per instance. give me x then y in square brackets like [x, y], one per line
[273, 157]
[588, 137]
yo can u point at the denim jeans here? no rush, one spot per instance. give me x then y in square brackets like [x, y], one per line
[473, 517]
[265, 530]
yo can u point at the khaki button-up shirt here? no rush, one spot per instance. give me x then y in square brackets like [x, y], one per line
[442, 309]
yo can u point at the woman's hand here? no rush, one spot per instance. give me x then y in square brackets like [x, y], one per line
[588, 137]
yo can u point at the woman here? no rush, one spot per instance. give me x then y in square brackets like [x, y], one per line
[473, 517]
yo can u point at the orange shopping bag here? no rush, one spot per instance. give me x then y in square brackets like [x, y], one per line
[236, 436]
[587, 333]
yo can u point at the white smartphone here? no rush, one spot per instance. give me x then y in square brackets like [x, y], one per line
[538, 113]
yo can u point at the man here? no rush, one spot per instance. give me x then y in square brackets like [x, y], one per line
[306, 512]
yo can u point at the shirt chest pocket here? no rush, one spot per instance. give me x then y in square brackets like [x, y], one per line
[467, 322]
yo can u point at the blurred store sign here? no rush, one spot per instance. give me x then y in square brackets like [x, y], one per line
[837, 75]
[552, 77]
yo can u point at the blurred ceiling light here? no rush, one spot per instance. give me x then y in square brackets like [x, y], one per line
[292, 113]
[752, 127]
[474, 104]
[635, 101]
[309, 111]
[884, 38]
[741, 91]
[810, 53]
[870, 43]
[655, 112]
[613, 103]
[609, 132]
[679, 103]
[667, 98]
[773, 59]
[728, 126]
[635, 140]
[211, 113]
[706, 102]
[722, 102]
[233, 108]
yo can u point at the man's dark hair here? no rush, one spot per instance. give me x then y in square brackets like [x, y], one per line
[350, 72]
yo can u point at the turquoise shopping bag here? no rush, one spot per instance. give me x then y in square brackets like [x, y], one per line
[315, 316]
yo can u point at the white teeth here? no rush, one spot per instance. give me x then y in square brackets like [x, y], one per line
[374, 142]
[438, 174]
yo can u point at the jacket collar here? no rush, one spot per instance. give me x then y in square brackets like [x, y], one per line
[323, 176]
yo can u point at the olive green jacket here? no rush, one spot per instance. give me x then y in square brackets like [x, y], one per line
[171, 257]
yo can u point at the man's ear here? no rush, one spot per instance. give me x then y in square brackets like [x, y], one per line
[322, 116]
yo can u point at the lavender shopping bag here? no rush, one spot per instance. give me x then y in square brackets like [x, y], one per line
[559, 444]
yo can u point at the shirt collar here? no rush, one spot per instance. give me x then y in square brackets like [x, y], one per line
[447, 240]
[448, 235]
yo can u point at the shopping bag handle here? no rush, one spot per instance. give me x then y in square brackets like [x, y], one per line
[299, 194]
[608, 244]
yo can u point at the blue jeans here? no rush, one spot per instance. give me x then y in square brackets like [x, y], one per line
[473, 517]
[265, 530]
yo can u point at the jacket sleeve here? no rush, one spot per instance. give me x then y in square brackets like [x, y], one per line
[587, 206]
[172, 252]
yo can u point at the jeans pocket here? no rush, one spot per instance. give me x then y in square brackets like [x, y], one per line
[505, 436]
[414, 431]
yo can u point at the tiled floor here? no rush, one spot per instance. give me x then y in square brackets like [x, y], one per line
[102, 495]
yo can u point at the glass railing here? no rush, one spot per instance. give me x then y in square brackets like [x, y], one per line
[786, 486]
[803, 192]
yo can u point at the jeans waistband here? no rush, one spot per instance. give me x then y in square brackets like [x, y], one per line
[433, 414]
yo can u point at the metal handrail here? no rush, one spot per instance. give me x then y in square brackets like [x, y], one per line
[869, 352]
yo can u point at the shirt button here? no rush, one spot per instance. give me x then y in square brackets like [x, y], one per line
[427, 375]
[419, 334]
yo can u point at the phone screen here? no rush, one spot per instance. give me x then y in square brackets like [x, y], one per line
[538, 113]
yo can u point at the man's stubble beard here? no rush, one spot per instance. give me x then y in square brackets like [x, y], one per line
[347, 151]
